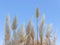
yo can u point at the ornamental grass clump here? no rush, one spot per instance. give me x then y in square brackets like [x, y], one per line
[20, 37]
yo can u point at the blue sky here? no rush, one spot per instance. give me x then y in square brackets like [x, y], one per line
[25, 9]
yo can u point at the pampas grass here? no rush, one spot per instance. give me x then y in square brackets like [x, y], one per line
[20, 34]
[41, 29]
[48, 35]
[28, 29]
[14, 24]
[28, 38]
[37, 12]
[37, 15]
[7, 31]
[28, 33]
[32, 34]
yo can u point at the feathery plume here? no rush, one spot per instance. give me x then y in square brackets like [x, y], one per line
[37, 12]
[48, 34]
[28, 28]
[28, 32]
[49, 28]
[21, 35]
[41, 29]
[7, 31]
[32, 34]
[14, 24]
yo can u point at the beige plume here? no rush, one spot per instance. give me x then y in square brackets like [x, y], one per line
[41, 29]
[14, 24]
[37, 12]
[7, 31]
[28, 29]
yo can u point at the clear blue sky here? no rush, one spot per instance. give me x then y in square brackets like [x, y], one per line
[24, 9]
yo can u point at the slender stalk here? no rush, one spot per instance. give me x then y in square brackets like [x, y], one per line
[37, 31]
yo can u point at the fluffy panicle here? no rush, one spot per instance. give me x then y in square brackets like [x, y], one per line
[21, 34]
[32, 34]
[14, 24]
[48, 35]
[7, 31]
[28, 33]
[20, 31]
[28, 27]
[49, 28]
[41, 29]
[37, 12]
